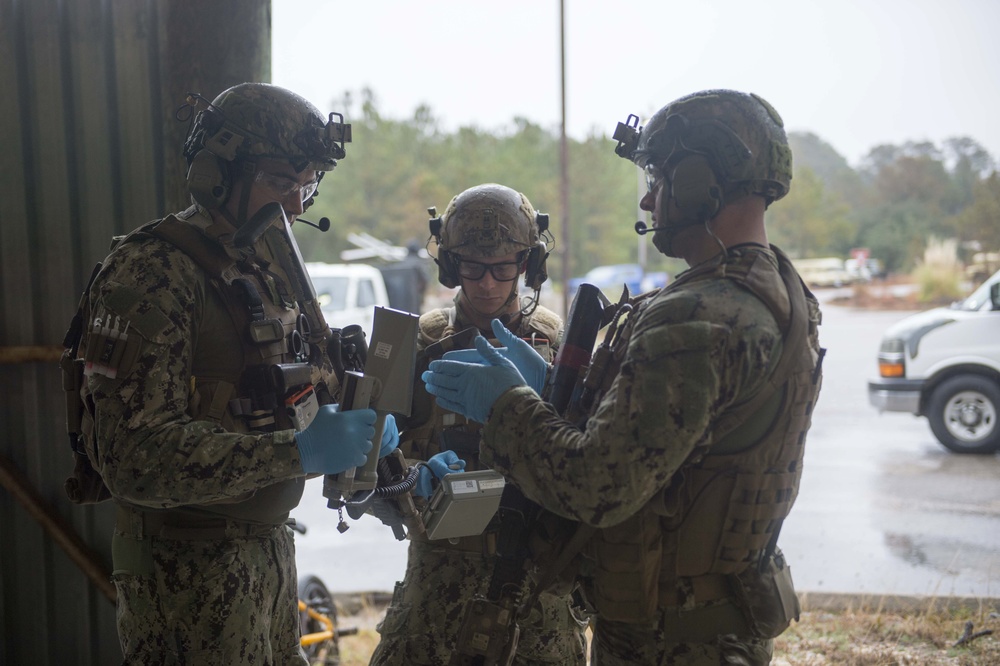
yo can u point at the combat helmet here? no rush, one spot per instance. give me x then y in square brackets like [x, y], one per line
[491, 220]
[252, 121]
[714, 147]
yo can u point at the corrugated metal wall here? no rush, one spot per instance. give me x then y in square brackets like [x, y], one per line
[89, 147]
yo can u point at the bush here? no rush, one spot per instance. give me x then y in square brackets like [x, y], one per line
[937, 284]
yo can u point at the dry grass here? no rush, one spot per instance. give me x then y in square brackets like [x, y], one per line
[881, 638]
[845, 631]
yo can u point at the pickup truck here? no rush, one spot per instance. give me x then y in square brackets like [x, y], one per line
[945, 364]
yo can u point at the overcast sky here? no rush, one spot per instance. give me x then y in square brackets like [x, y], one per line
[858, 73]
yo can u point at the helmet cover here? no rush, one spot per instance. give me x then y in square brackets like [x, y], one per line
[740, 134]
[260, 120]
[489, 221]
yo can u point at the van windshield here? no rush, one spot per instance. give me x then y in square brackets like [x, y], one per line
[980, 298]
[331, 292]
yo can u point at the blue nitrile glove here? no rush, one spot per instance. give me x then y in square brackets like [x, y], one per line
[470, 389]
[446, 462]
[336, 441]
[390, 436]
[528, 362]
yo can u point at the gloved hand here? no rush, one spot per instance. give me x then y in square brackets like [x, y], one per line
[468, 388]
[336, 441]
[390, 436]
[528, 362]
[446, 462]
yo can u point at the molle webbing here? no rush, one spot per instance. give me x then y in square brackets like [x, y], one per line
[247, 398]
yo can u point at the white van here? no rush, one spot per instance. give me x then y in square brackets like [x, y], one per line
[348, 293]
[945, 364]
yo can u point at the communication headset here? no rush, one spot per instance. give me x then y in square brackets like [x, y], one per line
[209, 180]
[534, 272]
[211, 150]
[695, 189]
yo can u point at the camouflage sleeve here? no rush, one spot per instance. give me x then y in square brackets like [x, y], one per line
[150, 451]
[681, 368]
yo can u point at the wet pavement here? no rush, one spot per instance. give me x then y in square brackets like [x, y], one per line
[883, 507]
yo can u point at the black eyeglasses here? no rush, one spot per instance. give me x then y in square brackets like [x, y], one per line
[502, 272]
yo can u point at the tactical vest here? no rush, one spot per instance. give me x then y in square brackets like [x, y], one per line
[432, 429]
[250, 324]
[722, 509]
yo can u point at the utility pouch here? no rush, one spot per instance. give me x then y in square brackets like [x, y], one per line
[84, 485]
[489, 632]
[767, 597]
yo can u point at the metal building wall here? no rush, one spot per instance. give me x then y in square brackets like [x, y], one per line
[89, 148]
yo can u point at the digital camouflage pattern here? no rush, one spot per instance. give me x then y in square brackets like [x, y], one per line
[143, 423]
[621, 644]
[428, 606]
[268, 121]
[227, 600]
[213, 602]
[741, 134]
[488, 221]
[424, 618]
[695, 349]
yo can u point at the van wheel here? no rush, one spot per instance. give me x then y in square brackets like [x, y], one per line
[963, 414]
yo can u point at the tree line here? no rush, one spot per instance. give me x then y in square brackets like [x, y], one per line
[893, 203]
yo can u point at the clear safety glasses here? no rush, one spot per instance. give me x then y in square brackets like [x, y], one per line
[283, 187]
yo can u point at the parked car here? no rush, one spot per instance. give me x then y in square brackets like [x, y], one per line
[348, 293]
[945, 364]
[610, 279]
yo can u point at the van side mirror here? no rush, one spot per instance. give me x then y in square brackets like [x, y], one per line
[995, 296]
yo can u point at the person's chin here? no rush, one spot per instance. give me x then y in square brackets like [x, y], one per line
[487, 304]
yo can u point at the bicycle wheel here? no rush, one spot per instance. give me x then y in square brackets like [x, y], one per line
[313, 592]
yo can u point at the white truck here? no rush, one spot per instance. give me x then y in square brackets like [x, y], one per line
[945, 364]
[348, 293]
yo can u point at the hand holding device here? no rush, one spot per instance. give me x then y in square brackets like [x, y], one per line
[336, 440]
[390, 436]
[446, 462]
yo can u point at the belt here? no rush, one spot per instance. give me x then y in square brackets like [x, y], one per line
[139, 524]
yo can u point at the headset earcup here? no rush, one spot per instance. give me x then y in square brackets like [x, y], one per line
[208, 180]
[534, 272]
[446, 271]
[695, 189]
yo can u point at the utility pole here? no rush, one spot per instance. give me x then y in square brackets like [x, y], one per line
[564, 162]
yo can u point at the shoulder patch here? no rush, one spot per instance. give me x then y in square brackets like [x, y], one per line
[547, 323]
[149, 322]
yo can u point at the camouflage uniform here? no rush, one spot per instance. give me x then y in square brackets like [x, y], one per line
[423, 621]
[203, 562]
[691, 353]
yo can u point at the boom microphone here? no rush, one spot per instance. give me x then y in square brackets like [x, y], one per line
[642, 229]
[323, 225]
